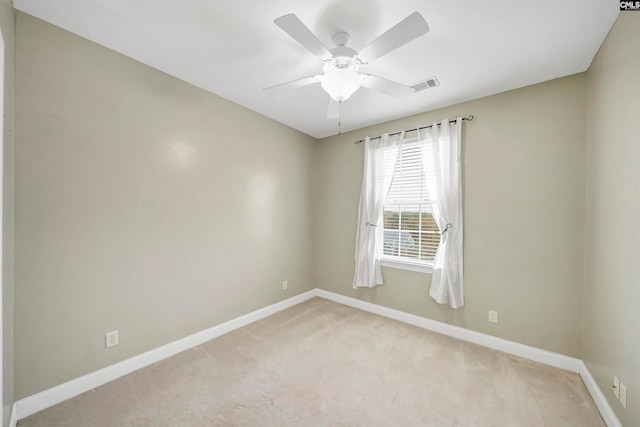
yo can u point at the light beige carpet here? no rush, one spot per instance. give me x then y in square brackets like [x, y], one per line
[326, 364]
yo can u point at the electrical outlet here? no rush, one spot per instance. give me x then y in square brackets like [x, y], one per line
[616, 387]
[284, 285]
[493, 316]
[111, 339]
[623, 395]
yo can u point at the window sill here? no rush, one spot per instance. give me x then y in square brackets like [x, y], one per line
[404, 265]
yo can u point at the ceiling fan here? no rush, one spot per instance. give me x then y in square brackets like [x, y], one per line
[341, 78]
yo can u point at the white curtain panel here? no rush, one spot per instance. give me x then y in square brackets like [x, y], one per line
[441, 159]
[380, 157]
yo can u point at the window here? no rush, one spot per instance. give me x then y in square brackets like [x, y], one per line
[409, 238]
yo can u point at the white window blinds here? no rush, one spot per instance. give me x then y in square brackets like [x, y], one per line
[409, 233]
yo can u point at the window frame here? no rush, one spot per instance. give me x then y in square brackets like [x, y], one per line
[418, 266]
[397, 262]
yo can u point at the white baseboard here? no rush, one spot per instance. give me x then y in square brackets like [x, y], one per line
[522, 350]
[47, 398]
[32, 404]
[13, 419]
[601, 401]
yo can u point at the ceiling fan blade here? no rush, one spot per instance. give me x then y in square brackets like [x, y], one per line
[410, 28]
[303, 35]
[333, 111]
[291, 85]
[387, 87]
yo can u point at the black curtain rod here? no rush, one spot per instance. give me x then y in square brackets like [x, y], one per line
[468, 118]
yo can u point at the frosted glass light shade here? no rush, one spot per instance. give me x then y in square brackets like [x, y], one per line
[340, 83]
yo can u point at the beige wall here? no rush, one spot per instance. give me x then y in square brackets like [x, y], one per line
[523, 204]
[7, 27]
[143, 204]
[124, 219]
[611, 332]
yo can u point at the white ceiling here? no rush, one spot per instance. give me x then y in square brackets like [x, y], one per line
[233, 49]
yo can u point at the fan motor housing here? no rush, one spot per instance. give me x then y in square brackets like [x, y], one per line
[343, 57]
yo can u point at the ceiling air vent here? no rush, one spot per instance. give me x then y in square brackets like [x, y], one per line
[426, 84]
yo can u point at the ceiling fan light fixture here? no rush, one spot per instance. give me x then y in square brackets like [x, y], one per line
[340, 83]
[340, 77]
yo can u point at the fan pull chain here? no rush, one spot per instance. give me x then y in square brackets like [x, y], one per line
[339, 118]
